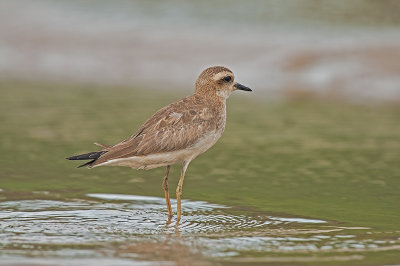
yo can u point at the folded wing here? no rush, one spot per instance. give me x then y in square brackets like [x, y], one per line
[176, 126]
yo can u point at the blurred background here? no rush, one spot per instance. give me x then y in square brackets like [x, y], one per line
[308, 168]
[281, 49]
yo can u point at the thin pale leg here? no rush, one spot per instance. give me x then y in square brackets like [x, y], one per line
[179, 191]
[166, 192]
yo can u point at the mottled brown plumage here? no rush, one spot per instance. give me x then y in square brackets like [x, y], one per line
[174, 127]
[177, 133]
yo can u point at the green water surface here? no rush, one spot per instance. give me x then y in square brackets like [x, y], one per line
[318, 159]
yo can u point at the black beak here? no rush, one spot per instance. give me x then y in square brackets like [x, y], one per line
[241, 87]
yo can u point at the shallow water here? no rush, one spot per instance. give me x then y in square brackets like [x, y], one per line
[121, 229]
[300, 182]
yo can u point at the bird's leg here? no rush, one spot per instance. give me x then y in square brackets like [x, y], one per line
[179, 191]
[166, 192]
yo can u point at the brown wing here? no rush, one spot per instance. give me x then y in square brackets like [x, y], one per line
[174, 127]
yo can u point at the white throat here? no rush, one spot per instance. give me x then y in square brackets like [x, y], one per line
[224, 94]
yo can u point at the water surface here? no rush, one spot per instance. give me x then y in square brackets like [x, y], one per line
[297, 182]
[124, 229]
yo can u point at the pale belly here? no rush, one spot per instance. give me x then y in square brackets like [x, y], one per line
[168, 158]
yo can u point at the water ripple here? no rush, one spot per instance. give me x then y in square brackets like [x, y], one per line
[216, 230]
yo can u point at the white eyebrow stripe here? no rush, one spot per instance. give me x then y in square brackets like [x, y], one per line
[223, 74]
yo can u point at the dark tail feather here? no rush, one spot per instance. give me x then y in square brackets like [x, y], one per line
[93, 156]
[87, 156]
[88, 163]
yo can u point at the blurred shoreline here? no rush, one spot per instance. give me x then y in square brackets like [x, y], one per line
[57, 41]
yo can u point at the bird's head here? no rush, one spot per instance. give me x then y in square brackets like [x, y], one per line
[217, 81]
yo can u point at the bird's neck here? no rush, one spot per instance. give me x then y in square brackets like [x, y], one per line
[212, 99]
[210, 94]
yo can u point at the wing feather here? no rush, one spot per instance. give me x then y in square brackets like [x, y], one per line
[174, 127]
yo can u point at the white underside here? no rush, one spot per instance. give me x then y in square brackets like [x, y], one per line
[163, 159]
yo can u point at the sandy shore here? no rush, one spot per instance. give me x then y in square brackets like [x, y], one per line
[45, 40]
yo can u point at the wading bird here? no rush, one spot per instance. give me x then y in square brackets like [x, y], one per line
[177, 133]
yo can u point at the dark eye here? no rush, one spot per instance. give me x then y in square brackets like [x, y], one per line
[227, 78]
